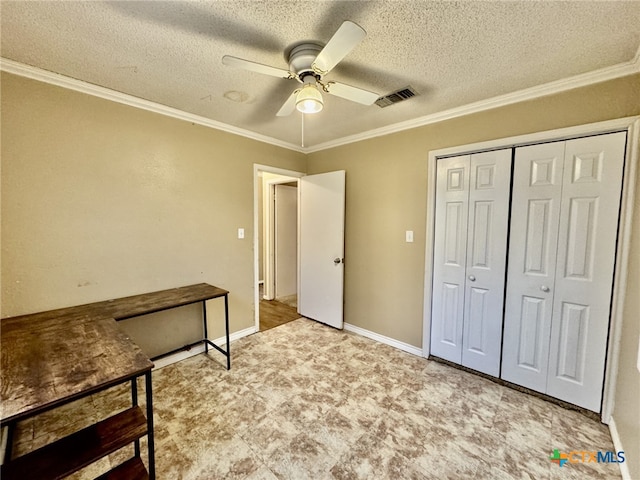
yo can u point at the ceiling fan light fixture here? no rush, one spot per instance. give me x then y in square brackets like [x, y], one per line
[309, 99]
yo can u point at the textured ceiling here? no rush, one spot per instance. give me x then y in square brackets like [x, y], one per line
[452, 53]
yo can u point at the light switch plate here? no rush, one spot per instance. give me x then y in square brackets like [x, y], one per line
[409, 236]
[241, 233]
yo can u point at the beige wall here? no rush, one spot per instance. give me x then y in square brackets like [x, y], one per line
[102, 200]
[627, 398]
[386, 195]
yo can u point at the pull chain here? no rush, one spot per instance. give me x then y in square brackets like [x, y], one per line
[302, 133]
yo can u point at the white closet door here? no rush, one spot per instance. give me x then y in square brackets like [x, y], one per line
[447, 313]
[535, 212]
[489, 182]
[584, 273]
[472, 210]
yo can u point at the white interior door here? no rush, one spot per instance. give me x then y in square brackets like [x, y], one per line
[489, 183]
[321, 286]
[535, 213]
[449, 257]
[584, 272]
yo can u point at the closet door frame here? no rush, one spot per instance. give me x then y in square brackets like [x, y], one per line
[631, 125]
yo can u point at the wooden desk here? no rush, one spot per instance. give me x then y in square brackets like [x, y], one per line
[137, 305]
[48, 362]
[54, 357]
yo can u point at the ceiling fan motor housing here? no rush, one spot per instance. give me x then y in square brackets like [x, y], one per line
[302, 56]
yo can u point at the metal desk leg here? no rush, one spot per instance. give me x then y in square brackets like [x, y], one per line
[226, 326]
[204, 317]
[134, 403]
[150, 442]
[208, 343]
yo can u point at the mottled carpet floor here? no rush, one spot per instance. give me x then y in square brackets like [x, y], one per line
[304, 401]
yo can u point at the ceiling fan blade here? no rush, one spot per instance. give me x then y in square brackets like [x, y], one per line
[343, 41]
[256, 67]
[289, 106]
[355, 94]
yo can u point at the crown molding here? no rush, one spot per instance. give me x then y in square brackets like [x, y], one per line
[63, 81]
[597, 76]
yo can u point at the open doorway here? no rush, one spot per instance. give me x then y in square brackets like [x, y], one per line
[275, 246]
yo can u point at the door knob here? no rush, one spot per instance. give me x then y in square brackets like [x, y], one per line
[544, 288]
[337, 261]
[472, 278]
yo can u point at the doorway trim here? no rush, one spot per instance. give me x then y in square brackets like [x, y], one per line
[258, 169]
[629, 124]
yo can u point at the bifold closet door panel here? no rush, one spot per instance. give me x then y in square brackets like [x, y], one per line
[535, 214]
[489, 184]
[472, 210]
[449, 257]
[585, 264]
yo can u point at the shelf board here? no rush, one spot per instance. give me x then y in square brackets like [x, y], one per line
[132, 469]
[69, 454]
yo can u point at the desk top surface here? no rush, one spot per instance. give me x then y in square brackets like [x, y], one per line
[50, 358]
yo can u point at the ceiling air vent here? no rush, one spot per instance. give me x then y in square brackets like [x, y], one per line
[397, 96]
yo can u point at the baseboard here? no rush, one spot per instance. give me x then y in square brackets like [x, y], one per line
[237, 335]
[179, 356]
[405, 347]
[617, 445]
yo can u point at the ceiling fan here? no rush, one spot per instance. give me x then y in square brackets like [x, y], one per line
[308, 63]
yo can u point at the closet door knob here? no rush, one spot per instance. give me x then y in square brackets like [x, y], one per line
[544, 288]
[472, 278]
